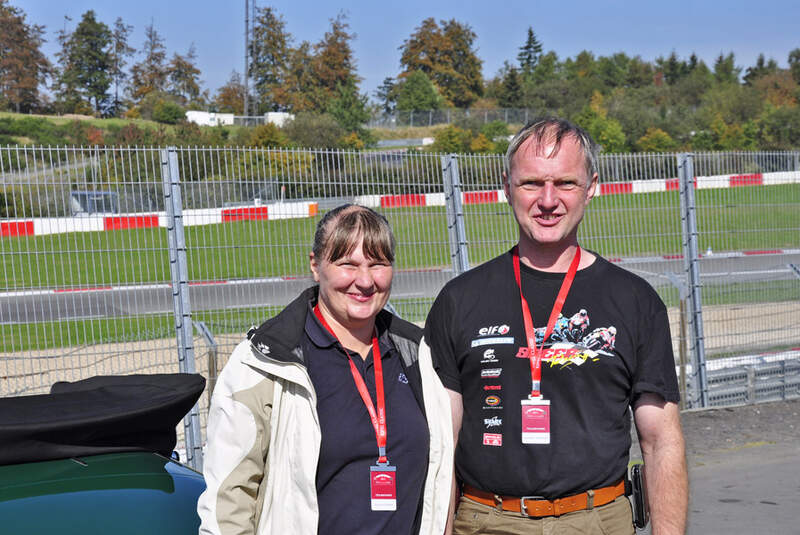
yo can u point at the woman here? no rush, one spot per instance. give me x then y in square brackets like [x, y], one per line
[330, 418]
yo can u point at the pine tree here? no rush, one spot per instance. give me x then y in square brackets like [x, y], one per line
[385, 94]
[184, 76]
[511, 93]
[333, 63]
[270, 52]
[120, 50]
[150, 74]
[86, 62]
[529, 53]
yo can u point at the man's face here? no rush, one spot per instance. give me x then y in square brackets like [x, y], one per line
[549, 194]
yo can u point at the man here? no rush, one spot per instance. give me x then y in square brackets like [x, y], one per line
[543, 428]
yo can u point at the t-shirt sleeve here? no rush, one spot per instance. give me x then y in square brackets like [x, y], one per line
[655, 370]
[439, 336]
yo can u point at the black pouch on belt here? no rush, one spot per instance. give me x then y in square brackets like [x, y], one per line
[641, 512]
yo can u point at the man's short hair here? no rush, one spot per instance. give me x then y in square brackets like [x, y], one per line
[340, 230]
[554, 130]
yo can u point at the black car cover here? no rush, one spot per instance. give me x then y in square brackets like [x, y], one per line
[103, 414]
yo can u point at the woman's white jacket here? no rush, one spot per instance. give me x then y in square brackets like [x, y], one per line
[260, 462]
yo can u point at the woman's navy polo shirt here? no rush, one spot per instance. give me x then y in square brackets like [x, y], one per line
[349, 446]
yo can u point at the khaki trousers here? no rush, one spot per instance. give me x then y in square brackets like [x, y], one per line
[615, 518]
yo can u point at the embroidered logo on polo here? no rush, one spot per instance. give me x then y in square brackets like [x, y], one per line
[492, 402]
[491, 373]
[494, 329]
[572, 342]
[492, 439]
[489, 356]
[492, 341]
[492, 387]
[494, 421]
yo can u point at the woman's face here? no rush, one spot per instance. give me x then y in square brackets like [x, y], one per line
[353, 288]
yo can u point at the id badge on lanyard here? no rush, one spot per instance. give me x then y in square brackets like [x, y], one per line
[382, 476]
[535, 410]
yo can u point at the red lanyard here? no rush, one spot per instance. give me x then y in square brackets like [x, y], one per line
[534, 353]
[379, 418]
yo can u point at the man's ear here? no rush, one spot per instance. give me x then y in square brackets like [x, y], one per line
[591, 190]
[312, 262]
[506, 187]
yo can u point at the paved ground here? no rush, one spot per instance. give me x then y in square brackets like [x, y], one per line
[744, 469]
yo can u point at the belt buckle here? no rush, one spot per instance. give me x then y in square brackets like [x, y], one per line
[523, 509]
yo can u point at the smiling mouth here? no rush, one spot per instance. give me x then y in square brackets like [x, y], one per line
[361, 298]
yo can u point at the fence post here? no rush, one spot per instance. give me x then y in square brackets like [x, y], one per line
[455, 214]
[180, 295]
[690, 262]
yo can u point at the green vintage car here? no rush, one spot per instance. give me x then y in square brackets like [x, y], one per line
[93, 457]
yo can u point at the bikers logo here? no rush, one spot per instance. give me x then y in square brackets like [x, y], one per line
[492, 402]
[494, 421]
[493, 329]
[492, 387]
[488, 356]
[492, 439]
[491, 372]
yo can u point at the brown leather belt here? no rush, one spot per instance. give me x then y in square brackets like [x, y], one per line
[536, 506]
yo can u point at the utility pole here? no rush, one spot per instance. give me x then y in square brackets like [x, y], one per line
[246, 52]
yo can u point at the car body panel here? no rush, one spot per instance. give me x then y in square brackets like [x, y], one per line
[119, 493]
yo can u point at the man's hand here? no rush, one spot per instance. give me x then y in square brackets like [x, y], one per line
[661, 439]
[457, 411]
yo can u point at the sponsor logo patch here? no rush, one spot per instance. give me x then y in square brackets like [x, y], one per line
[491, 372]
[492, 439]
[491, 341]
[492, 401]
[493, 329]
[494, 421]
[492, 387]
[488, 356]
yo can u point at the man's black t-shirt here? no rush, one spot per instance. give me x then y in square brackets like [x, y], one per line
[610, 345]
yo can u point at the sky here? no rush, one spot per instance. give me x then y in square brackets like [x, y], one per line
[646, 28]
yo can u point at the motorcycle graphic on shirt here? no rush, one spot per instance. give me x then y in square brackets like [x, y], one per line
[573, 341]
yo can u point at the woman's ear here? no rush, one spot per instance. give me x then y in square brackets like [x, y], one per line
[312, 261]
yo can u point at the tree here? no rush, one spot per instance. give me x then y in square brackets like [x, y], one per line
[672, 68]
[794, 64]
[184, 76]
[299, 91]
[120, 51]
[725, 69]
[333, 63]
[511, 91]
[385, 93]
[270, 52]
[656, 140]
[447, 56]
[150, 74]
[760, 69]
[230, 97]
[314, 130]
[86, 62]
[417, 92]
[349, 108]
[23, 67]
[529, 53]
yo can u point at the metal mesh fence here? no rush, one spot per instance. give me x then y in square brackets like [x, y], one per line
[86, 247]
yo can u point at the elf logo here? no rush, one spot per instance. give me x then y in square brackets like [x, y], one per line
[494, 329]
